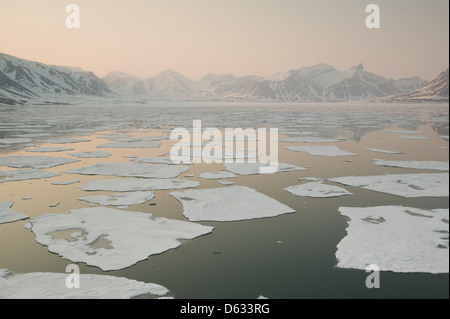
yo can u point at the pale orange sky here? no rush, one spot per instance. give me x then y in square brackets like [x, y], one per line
[242, 37]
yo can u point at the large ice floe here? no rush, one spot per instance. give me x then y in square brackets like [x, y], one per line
[217, 175]
[24, 174]
[228, 204]
[320, 150]
[317, 189]
[66, 141]
[383, 151]
[40, 285]
[122, 200]
[137, 184]
[255, 168]
[439, 166]
[93, 154]
[140, 144]
[48, 149]
[131, 170]
[37, 161]
[405, 185]
[8, 215]
[111, 239]
[310, 139]
[395, 238]
[17, 140]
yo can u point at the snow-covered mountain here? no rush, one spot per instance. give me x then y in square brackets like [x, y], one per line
[23, 79]
[435, 91]
[323, 83]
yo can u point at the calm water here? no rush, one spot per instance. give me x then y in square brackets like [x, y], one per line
[239, 259]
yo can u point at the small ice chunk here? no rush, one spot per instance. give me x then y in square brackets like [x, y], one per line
[383, 151]
[48, 149]
[123, 200]
[112, 239]
[25, 161]
[405, 185]
[396, 238]
[15, 140]
[262, 297]
[439, 166]
[131, 170]
[320, 150]
[39, 285]
[66, 141]
[63, 183]
[137, 184]
[26, 198]
[217, 175]
[189, 175]
[54, 205]
[155, 160]
[312, 179]
[226, 183]
[254, 168]
[412, 137]
[140, 139]
[24, 174]
[445, 137]
[93, 154]
[8, 215]
[228, 204]
[151, 144]
[316, 189]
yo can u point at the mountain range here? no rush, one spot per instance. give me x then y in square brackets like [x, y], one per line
[23, 81]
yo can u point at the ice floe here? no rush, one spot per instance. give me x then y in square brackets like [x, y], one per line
[217, 175]
[228, 204]
[24, 174]
[36, 161]
[412, 137]
[320, 150]
[15, 140]
[434, 165]
[48, 149]
[93, 154]
[137, 184]
[255, 168]
[317, 189]
[310, 139]
[406, 132]
[64, 183]
[152, 144]
[405, 185]
[39, 285]
[109, 238]
[131, 170]
[383, 151]
[154, 160]
[8, 215]
[226, 183]
[445, 137]
[66, 141]
[396, 238]
[124, 200]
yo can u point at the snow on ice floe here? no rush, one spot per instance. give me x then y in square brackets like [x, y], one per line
[131, 170]
[66, 141]
[137, 184]
[412, 137]
[151, 144]
[15, 140]
[320, 150]
[8, 215]
[124, 200]
[405, 185]
[317, 189]
[64, 183]
[34, 161]
[217, 175]
[93, 154]
[310, 139]
[439, 166]
[383, 151]
[228, 204]
[111, 239]
[396, 238]
[24, 174]
[48, 149]
[39, 285]
[254, 168]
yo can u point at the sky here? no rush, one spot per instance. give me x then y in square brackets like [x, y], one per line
[242, 37]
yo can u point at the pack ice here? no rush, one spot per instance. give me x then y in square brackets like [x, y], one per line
[39, 285]
[405, 185]
[396, 238]
[25, 161]
[109, 238]
[228, 204]
[24, 174]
